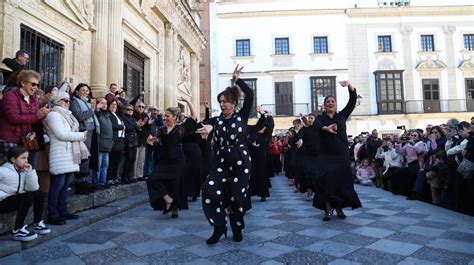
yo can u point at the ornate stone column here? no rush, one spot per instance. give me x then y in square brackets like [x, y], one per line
[169, 93]
[407, 62]
[450, 58]
[176, 67]
[195, 84]
[99, 49]
[115, 43]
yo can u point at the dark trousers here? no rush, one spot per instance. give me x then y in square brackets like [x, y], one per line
[114, 162]
[57, 201]
[21, 203]
[130, 157]
[149, 161]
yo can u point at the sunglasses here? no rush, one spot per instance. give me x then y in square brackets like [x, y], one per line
[33, 84]
[66, 100]
[141, 107]
[129, 109]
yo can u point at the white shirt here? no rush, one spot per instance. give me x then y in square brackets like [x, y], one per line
[121, 133]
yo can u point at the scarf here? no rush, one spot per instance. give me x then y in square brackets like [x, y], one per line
[79, 149]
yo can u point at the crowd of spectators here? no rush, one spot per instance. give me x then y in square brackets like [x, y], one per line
[58, 139]
[434, 165]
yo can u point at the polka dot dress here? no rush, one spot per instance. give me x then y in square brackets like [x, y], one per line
[229, 181]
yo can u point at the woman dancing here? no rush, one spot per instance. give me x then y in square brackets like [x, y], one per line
[333, 185]
[228, 182]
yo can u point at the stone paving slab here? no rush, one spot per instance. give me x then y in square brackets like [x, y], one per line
[285, 229]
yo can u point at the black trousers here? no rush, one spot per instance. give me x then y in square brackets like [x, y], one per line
[21, 203]
[114, 162]
[130, 157]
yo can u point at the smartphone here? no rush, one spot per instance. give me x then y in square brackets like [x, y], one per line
[459, 127]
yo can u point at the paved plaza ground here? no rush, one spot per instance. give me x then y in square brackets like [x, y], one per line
[286, 229]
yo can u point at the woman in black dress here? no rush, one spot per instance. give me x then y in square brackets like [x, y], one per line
[258, 147]
[227, 184]
[164, 181]
[334, 186]
[192, 152]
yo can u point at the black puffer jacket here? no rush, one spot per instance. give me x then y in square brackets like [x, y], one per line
[131, 128]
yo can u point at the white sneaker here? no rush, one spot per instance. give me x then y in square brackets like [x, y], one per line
[23, 234]
[41, 228]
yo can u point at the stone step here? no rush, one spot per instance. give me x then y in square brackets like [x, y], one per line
[94, 207]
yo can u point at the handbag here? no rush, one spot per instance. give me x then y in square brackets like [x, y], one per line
[465, 168]
[30, 142]
[118, 144]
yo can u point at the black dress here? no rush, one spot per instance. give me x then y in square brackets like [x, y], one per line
[310, 136]
[167, 173]
[259, 180]
[192, 170]
[228, 182]
[334, 180]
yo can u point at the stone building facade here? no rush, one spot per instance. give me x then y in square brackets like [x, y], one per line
[150, 45]
[411, 61]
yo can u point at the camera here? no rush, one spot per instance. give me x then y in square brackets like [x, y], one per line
[459, 127]
[401, 127]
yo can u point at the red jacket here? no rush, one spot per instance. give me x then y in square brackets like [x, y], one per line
[275, 147]
[16, 116]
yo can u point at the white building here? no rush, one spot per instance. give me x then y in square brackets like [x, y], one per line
[412, 62]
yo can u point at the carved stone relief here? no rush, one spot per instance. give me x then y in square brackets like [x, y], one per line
[386, 64]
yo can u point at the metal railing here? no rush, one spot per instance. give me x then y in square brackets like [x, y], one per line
[437, 106]
[409, 107]
[285, 110]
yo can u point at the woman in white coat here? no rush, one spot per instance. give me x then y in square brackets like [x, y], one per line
[18, 191]
[67, 149]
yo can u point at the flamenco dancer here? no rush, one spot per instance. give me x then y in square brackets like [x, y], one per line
[228, 181]
[164, 182]
[333, 185]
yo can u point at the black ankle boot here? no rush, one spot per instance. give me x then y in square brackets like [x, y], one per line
[237, 234]
[216, 235]
[327, 216]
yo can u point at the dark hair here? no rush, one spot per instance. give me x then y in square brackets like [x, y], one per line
[297, 121]
[439, 129]
[48, 89]
[312, 114]
[15, 152]
[175, 111]
[441, 154]
[231, 94]
[327, 97]
[112, 84]
[109, 102]
[420, 134]
[465, 125]
[76, 90]
[21, 53]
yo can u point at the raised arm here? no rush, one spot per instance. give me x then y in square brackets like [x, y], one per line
[248, 101]
[191, 107]
[352, 99]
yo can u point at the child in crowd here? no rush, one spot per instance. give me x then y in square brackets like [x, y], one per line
[18, 191]
[437, 176]
[365, 173]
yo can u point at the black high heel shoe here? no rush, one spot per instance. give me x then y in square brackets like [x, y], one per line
[237, 234]
[340, 213]
[170, 207]
[216, 235]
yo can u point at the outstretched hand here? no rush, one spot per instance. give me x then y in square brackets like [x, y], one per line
[237, 72]
[204, 130]
[331, 128]
[346, 83]
[151, 140]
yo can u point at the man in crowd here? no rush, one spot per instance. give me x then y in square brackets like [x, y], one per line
[15, 64]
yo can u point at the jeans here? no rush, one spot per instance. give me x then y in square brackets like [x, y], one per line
[149, 161]
[100, 177]
[57, 201]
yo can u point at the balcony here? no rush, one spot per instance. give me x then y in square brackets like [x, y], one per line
[409, 107]
[286, 110]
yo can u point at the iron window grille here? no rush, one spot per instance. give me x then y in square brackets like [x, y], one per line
[46, 55]
[321, 87]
